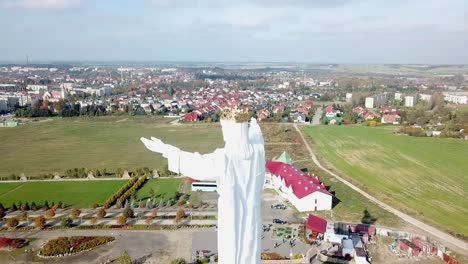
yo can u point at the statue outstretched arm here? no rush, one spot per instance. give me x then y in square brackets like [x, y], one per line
[194, 165]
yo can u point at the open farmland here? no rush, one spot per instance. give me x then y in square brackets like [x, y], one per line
[102, 143]
[425, 177]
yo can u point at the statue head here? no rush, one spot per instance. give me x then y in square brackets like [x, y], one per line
[236, 132]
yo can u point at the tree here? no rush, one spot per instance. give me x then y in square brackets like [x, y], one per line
[95, 205]
[179, 216]
[93, 221]
[50, 213]
[367, 218]
[34, 206]
[40, 222]
[46, 205]
[151, 193]
[66, 222]
[12, 222]
[25, 207]
[101, 213]
[75, 212]
[154, 213]
[179, 261]
[128, 212]
[124, 258]
[149, 220]
[13, 207]
[121, 220]
[2, 213]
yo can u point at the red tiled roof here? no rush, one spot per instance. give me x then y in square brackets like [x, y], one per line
[302, 184]
[316, 224]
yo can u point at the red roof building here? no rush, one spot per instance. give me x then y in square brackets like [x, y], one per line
[316, 224]
[304, 191]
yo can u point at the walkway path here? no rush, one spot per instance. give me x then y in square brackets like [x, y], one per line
[446, 239]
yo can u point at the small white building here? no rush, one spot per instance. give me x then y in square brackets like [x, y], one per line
[398, 97]
[369, 102]
[456, 98]
[302, 190]
[349, 96]
[425, 97]
[410, 101]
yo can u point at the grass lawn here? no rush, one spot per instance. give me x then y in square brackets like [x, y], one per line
[73, 194]
[164, 188]
[57, 144]
[425, 177]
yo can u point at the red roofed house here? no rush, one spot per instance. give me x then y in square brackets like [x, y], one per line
[316, 225]
[390, 119]
[192, 117]
[304, 191]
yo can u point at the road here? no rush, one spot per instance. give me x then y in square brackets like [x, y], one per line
[317, 116]
[446, 239]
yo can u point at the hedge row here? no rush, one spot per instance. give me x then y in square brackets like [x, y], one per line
[111, 200]
[134, 188]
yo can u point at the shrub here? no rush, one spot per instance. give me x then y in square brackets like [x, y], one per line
[133, 189]
[272, 256]
[13, 207]
[179, 261]
[34, 206]
[142, 204]
[128, 212]
[2, 213]
[114, 197]
[12, 222]
[12, 242]
[95, 205]
[179, 216]
[121, 220]
[65, 245]
[202, 260]
[124, 258]
[93, 221]
[40, 222]
[25, 207]
[101, 213]
[75, 212]
[46, 205]
[154, 213]
[66, 222]
[149, 220]
[50, 213]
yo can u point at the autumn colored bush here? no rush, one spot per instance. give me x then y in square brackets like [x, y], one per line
[50, 213]
[40, 222]
[65, 245]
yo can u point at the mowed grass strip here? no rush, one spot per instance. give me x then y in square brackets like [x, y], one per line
[102, 143]
[80, 194]
[425, 177]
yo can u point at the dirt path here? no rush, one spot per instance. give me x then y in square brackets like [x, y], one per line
[444, 238]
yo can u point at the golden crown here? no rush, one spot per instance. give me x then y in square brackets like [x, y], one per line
[235, 115]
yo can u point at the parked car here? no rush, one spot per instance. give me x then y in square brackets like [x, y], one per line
[279, 221]
[278, 206]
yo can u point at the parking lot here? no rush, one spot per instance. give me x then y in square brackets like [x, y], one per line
[206, 240]
[268, 214]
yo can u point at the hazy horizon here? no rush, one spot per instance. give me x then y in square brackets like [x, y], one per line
[431, 32]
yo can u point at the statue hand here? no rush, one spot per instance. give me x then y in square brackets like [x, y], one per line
[154, 145]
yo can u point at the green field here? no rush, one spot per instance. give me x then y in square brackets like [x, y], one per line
[165, 189]
[80, 194]
[56, 145]
[425, 177]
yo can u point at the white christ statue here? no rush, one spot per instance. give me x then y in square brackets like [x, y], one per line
[239, 171]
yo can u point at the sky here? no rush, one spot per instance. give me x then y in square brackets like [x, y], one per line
[305, 31]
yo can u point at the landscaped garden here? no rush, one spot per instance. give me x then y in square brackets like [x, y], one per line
[70, 245]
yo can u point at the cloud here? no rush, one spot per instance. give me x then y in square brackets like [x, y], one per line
[43, 4]
[263, 3]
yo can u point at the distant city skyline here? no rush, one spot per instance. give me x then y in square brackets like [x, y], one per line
[302, 31]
